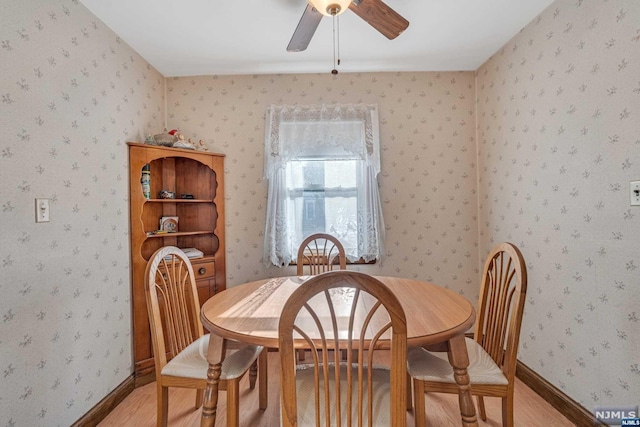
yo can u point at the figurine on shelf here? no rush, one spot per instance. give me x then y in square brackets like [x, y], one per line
[200, 146]
[181, 143]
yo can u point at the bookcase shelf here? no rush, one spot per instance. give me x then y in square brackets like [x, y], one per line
[177, 234]
[177, 201]
[200, 225]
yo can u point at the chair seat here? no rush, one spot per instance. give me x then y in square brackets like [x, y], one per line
[306, 396]
[192, 361]
[435, 367]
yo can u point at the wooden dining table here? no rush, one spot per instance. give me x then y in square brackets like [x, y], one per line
[250, 313]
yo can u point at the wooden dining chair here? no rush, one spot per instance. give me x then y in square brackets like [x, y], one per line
[179, 345]
[494, 347]
[319, 253]
[352, 311]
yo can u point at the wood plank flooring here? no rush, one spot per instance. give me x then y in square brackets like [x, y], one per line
[139, 408]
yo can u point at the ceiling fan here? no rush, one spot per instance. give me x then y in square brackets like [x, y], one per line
[375, 12]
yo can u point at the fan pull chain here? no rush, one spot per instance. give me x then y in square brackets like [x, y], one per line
[336, 44]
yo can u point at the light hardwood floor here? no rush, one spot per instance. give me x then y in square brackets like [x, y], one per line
[139, 408]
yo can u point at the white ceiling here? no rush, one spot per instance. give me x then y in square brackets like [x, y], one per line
[204, 37]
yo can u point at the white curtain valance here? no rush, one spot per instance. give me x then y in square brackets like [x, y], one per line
[330, 131]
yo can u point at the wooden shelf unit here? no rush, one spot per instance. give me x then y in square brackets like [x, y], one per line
[178, 234]
[200, 225]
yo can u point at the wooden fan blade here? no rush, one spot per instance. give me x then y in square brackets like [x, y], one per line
[305, 29]
[380, 16]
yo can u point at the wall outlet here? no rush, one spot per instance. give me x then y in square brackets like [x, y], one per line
[634, 193]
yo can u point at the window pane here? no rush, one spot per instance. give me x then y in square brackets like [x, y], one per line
[340, 173]
[324, 199]
[313, 173]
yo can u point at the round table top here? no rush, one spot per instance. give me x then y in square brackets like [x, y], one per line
[250, 313]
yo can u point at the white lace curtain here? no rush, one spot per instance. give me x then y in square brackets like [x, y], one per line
[321, 132]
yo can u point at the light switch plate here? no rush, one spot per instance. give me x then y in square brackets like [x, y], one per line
[42, 210]
[634, 193]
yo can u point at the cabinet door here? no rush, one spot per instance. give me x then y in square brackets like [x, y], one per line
[205, 279]
[204, 290]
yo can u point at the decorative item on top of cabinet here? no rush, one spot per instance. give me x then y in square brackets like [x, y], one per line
[201, 176]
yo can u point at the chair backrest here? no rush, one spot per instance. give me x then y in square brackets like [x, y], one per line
[319, 253]
[172, 304]
[343, 310]
[501, 306]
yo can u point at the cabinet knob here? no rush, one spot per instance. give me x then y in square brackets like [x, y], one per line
[202, 270]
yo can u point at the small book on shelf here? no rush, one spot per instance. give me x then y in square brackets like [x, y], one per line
[191, 253]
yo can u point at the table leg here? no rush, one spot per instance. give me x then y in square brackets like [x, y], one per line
[215, 356]
[459, 360]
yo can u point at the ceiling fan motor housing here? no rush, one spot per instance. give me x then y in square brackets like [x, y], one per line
[330, 7]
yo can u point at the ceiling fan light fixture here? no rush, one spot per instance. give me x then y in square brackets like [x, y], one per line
[330, 7]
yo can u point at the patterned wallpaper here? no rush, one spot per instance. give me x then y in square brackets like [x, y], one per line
[556, 110]
[72, 93]
[558, 139]
[428, 160]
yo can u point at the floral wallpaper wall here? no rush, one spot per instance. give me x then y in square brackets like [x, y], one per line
[72, 93]
[428, 178]
[558, 109]
[536, 148]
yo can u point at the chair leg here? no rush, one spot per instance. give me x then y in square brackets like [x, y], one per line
[263, 377]
[418, 403]
[507, 410]
[301, 355]
[481, 410]
[233, 403]
[199, 396]
[253, 374]
[163, 405]
[409, 395]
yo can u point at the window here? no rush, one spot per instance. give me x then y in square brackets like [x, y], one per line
[323, 194]
[322, 163]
